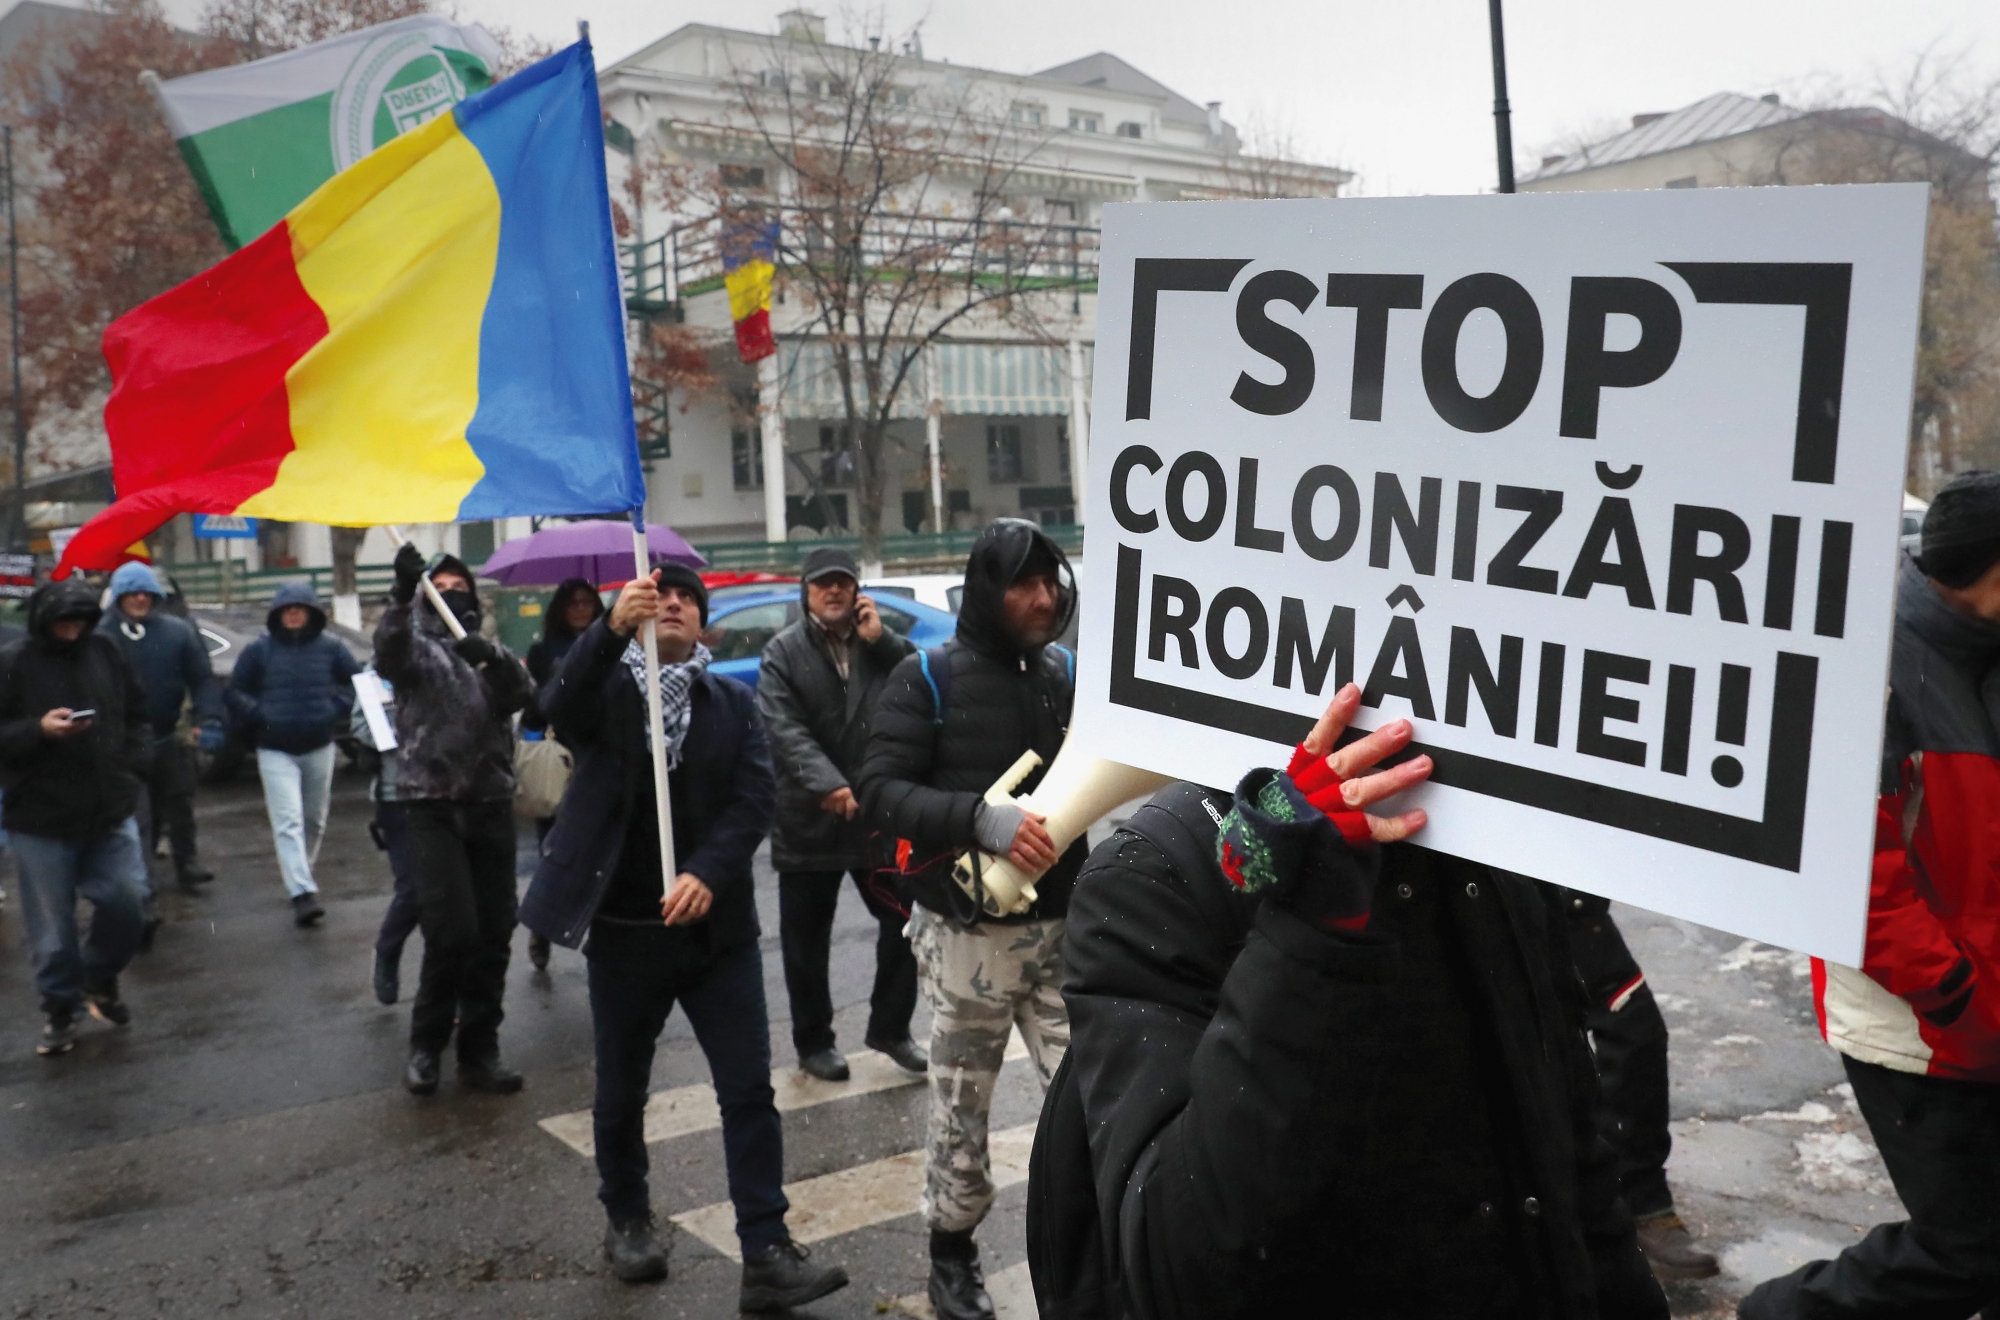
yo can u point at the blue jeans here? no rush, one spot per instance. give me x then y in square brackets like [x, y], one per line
[297, 787]
[636, 975]
[109, 871]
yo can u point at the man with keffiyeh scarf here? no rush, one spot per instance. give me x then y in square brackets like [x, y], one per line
[651, 942]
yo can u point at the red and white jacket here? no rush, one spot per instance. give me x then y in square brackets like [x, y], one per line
[1927, 998]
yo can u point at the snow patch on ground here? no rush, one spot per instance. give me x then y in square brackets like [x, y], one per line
[1840, 1161]
[1751, 956]
[1774, 1252]
[1737, 1038]
[1812, 1111]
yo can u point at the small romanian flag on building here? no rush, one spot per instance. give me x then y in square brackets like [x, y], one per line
[436, 334]
[748, 251]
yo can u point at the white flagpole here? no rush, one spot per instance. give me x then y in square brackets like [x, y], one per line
[642, 566]
[431, 591]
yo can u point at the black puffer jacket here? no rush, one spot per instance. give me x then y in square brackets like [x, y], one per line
[81, 786]
[1257, 1117]
[819, 724]
[922, 777]
[454, 724]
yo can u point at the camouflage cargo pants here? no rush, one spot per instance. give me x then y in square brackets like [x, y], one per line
[980, 983]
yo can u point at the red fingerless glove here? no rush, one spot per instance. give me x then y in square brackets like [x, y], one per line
[1316, 778]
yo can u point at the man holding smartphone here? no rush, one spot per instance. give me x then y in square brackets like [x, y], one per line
[74, 741]
[820, 681]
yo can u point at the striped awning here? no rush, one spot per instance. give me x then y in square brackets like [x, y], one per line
[974, 379]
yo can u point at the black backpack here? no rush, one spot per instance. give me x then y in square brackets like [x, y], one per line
[928, 880]
[1066, 1242]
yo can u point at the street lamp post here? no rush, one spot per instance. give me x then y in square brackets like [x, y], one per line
[1503, 129]
[18, 538]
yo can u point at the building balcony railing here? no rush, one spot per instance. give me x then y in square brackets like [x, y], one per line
[687, 260]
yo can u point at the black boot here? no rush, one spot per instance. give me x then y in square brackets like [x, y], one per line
[538, 952]
[904, 1052]
[388, 978]
[192, 877]
[958, 1285]
[486, 1073]
[781, 1277]
[421, 1076]
[636, 1255]
[829, 1064]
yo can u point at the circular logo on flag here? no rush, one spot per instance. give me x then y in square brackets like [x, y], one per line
[398, 81]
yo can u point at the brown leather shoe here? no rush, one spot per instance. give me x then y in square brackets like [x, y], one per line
[1670, 1249]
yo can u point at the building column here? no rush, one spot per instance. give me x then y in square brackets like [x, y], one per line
[1079, 427]
[934, 436]
[771, 421]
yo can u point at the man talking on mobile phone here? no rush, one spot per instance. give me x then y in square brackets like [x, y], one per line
[74, 739]
[817, 689]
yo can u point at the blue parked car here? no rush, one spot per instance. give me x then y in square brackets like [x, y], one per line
[740, 624]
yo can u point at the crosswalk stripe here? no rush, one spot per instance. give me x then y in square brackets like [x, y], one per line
[689, 1109]
[1012, 1291]
[857, 1198]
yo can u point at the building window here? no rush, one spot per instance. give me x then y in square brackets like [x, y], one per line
[1060, 211]
[1083, 121]
[1131, 129]
[746, 459]
[743, 176]
[1051, 506]
[1033, 116]
[1688, 182]
[836, 464]
[1003, 453]
[900, 97]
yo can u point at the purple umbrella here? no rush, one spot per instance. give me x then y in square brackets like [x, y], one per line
[600, 552]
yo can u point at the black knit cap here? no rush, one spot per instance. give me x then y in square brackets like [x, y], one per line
[1961, 538]
[680, 575]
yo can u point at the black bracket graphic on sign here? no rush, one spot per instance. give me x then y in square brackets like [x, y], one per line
[1151, 275]
[1821, 287]
[1774, 841]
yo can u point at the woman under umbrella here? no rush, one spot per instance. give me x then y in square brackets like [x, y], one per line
[573, 608]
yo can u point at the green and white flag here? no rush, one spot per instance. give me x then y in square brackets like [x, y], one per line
[261, 136]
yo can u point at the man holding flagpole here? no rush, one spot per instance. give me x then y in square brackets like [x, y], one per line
[652, 941]
[455, 706]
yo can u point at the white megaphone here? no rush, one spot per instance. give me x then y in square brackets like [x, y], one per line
[1078, 789]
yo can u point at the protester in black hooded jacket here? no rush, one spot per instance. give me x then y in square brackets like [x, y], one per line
[945, 729]
[455, 706]
[1320, 1071]
[72, 785]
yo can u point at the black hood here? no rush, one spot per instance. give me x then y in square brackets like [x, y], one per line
[998, 557]
[71, 598]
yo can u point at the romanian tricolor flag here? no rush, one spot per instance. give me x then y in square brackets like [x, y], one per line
[436, 334]
[748, 251]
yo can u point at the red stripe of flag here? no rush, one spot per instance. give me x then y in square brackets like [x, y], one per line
[198, 416]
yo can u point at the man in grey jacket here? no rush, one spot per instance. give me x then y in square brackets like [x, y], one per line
[817, 690]
[455, 705]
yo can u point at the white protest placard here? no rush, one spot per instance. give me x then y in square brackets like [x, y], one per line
[1601, 490]
[373, 694]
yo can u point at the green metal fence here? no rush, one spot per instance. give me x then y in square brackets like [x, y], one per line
[228, 582]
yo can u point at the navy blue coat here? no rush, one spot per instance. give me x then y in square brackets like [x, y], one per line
[294, 691]
[723, 793]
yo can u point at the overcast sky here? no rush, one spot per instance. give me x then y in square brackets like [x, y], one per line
[1399, 91]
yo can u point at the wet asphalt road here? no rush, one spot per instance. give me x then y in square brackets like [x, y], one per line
[245, 1148]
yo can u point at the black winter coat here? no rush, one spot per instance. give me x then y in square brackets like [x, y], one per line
[922, 779]
[1260, 1118]
[454, 723]
[818, 724]
[722, 794]
[82, 786]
